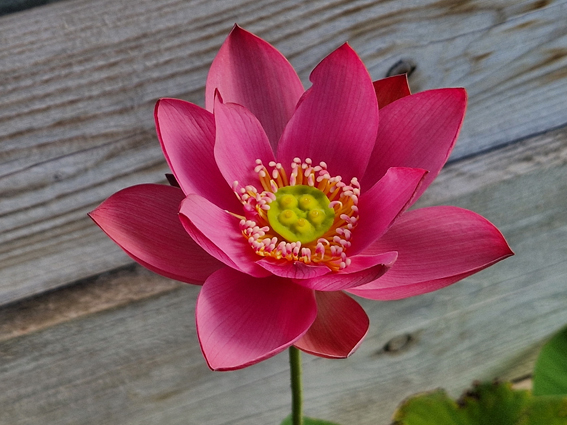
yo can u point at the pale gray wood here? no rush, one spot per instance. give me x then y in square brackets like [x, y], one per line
[78, 80]
[122, 349]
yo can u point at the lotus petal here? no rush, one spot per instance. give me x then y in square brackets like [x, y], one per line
[250, 72]
[339, 329]
[337, 119]
[417, 131]
[437, 246]
[143, 221]
[187, 136]
[390, 89]
[243, 320]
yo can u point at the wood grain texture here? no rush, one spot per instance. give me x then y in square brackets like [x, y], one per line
[79, 79]
[122, 349]
[12, 6]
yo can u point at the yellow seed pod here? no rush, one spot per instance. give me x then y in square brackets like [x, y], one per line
[300, 213]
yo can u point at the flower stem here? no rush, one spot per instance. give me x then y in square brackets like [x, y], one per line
[296, 387]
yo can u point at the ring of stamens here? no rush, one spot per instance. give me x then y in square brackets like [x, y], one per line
[331, 247]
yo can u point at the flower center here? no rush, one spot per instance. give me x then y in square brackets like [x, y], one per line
[308, 217]
[300, 213]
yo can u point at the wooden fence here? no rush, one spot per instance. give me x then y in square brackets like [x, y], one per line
[88, 338]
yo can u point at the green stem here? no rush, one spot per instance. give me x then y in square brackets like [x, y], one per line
[296, 388]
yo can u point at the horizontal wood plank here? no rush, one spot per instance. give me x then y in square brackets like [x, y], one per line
[122, 348]
[12, 6]
[79, 79]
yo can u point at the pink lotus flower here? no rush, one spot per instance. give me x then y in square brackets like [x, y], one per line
[288, 198]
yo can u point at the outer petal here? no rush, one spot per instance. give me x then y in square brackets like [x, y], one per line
[252, 73]
[240, 141]
[337, 119]
[293, 269]
[417, 131]
[362, 270]
[340, 326]
[187, 136]
[400, 292]
[143, 220]
[219, 234]
[383, 203]
[436, 246]
[391, 89]
[242, 320]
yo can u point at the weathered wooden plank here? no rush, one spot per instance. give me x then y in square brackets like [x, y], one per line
[12, 6]
[79, 79]
[122, 348]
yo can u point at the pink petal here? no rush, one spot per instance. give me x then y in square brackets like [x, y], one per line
[339, 329]
[143, 220]
[187, 136]
[293, 269]
[436, 246]
[363, 262]
[218, 233]
[417, 131]
[337, 120]
[252, 73]
[362, 270]
[411, 290]
[240, 141]
[391, 89]
[243, 320]
[383, 203]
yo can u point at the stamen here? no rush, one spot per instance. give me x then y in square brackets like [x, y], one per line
[336, 203]
[273, 186]
[331, 248]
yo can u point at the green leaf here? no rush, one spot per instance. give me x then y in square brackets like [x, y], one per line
[550, 372]
[310, 421]
[485, 404]
[547, 410]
